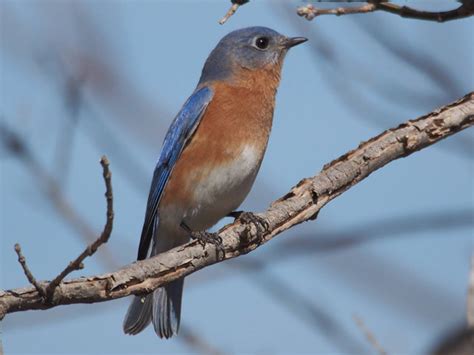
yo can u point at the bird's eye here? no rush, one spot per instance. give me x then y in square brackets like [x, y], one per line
[262, 42]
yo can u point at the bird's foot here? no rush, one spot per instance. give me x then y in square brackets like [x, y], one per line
[210, 238]
[249, 217]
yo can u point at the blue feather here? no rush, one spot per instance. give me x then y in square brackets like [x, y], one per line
[182, 128]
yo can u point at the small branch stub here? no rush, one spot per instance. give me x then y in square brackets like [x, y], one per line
[235, 5]
[26, 270]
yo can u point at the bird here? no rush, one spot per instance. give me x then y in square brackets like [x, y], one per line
[209, 159]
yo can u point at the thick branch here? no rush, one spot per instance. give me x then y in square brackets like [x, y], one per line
[301, 204]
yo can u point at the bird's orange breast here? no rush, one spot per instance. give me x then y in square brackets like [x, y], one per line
[237, 117]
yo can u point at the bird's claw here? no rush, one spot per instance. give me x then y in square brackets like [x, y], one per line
[249, 217]
[210, 238]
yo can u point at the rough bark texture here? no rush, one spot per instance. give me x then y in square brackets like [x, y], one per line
[301, 204]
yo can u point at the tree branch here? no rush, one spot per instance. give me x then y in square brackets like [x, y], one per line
[77, 264]
[301, 204]
[466, 9]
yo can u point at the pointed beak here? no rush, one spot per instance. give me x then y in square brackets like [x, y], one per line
[293, 41]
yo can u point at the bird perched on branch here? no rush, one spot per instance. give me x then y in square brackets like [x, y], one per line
[209, 159]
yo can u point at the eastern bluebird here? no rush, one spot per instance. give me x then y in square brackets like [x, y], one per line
[210, 158]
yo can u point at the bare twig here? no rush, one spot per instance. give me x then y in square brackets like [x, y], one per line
[466, 9]
[28, 273]
[77, 264]
[369, 335]
[470, 296]
[301, 204]
[232, 10]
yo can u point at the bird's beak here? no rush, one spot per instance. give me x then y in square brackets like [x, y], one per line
[293, 41]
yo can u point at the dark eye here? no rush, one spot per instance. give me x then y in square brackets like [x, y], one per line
[262, 42]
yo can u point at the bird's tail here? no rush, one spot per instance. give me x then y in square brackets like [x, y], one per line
[163, 307]
[167, 308]
[138, 315]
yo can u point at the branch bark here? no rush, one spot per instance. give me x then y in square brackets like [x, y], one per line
[301, 204]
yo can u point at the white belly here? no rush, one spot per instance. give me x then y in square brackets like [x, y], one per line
[223, 190]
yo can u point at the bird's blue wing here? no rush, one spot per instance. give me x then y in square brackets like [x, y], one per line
[180, 131]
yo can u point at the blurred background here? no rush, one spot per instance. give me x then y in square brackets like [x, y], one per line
[84, 78]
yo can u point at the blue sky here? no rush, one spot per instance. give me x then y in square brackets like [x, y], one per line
[357, 75]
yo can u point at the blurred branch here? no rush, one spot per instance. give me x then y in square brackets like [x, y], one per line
[466, 9]
[373, 231]
[423, 61]
[232, 10]
[195, 342]
[301, 306]
[461, 342]
[301, 204]
[470, 296]
[18, 147]
[72, 92]
[369, 335]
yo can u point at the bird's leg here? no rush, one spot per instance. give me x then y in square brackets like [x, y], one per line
[235, 214]
[204, 238]
[249, 217]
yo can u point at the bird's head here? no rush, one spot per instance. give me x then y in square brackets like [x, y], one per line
[248, 49]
